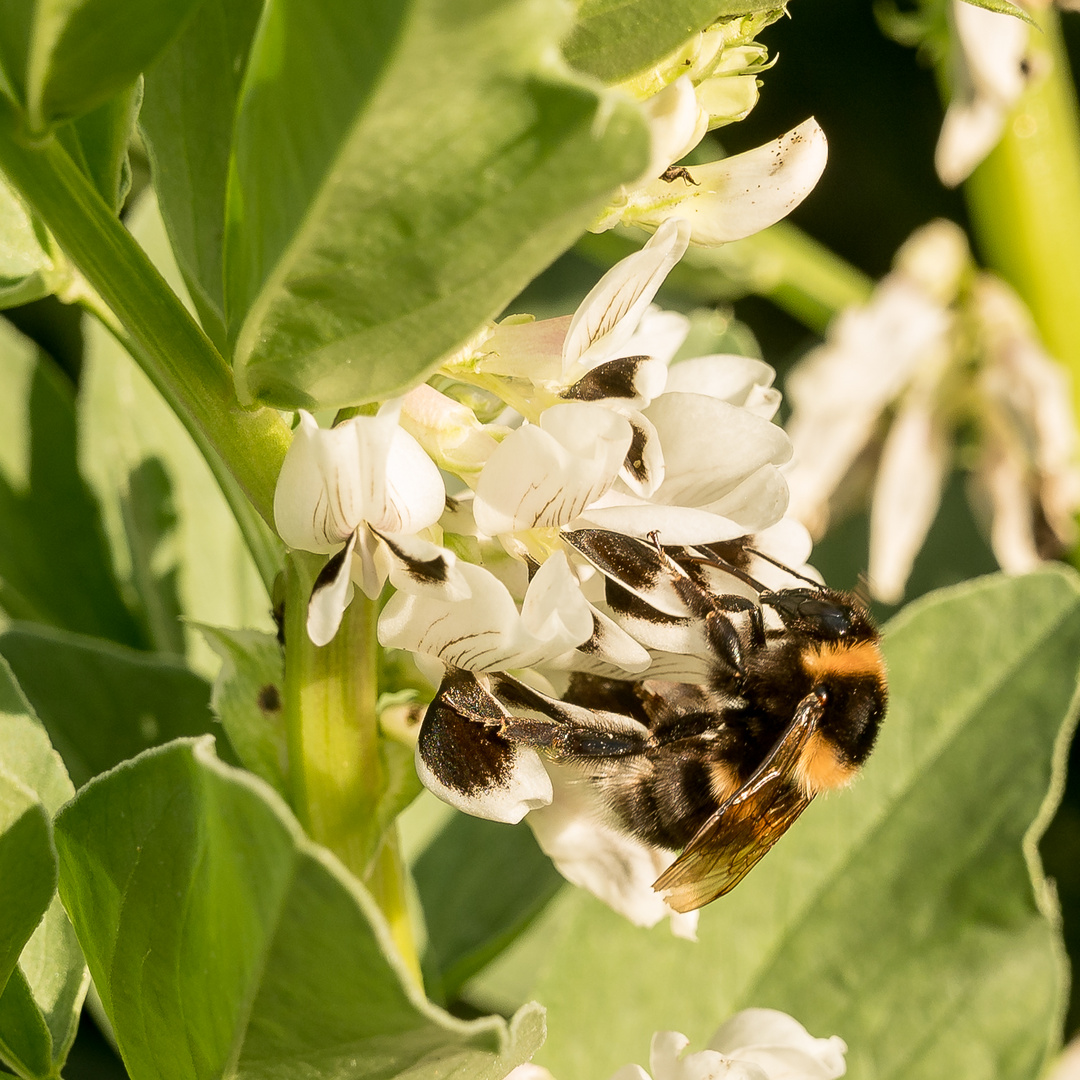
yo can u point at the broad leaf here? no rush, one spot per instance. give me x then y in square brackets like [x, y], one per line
[54, 565]
[614, 39]
[401, 171]
[178, 548]
[27, 868]
[66, 57]
[42, 998]
[98, 143]
[187, 123]
[196, 895]
[102, 703]
[249, 700]
[908, 914]
[481, 884]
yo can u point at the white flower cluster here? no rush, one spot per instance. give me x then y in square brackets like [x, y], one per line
[706, 83]
[940, 356]
[755, 1044]
[606, 439]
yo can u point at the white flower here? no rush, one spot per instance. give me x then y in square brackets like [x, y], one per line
[938, 350]
[755, 1044]
[989, 66]
[613, 320]
[340, 490]
[734, 197]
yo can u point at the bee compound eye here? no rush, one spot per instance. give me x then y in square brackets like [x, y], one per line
[829, 619]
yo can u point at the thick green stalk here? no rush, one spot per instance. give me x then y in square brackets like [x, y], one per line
[1024, 199]
[163, 338]
[335, 767]
[787, 266]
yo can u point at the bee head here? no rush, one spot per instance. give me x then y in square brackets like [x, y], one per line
[822, 614]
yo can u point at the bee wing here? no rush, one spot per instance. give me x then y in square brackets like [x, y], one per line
[728, 846]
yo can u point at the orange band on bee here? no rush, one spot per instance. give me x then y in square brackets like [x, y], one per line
[861, 658]
[820, 767]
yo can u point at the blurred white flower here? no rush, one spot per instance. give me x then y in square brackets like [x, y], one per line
[990, 68]
[940, 353]
[755, 1044]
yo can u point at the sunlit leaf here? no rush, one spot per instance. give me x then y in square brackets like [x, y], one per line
[907, 915]
[400, 173]
[98, 142]
[42, 998]
[187, 122]
[614, 39]
[66, 57]
[196, 895]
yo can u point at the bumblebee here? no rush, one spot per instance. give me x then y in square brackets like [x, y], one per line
[791, 705]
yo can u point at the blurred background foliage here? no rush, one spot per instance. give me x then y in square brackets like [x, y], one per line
[879, 106]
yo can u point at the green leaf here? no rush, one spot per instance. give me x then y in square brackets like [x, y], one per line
[98, 142]
[179, 551]
[197, 896]
[1003, 7]
[42, 1000]
[187, 123]
[401, 171]
[908, 914]
[100, 702]
[248, 699]
[27, 868]
[27, 269]
[614, 39]
[481, 885]
[54, 564]
[66, 57]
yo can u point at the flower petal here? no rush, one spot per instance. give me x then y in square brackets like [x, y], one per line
[461, 758]
[330, 596]
[413, 495]
[676, 123]
[544, 475]
[554, 610]
[729, 377]
[320, 495]
[710, 447]
[758, 1034]
[907, 493]
[607, 317]
[614, 867]
[738, 196]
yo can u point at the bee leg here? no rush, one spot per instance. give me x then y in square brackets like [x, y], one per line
[737, 604]
[724, 641]
[566, 741]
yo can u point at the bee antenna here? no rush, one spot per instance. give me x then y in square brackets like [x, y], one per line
[728, 568]
[782, 566]
[861, 592]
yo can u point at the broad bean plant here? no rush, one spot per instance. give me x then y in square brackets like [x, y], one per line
[372, 403]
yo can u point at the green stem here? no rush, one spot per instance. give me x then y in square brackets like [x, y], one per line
[336, 773]
[163, 338]
[1024, 199]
